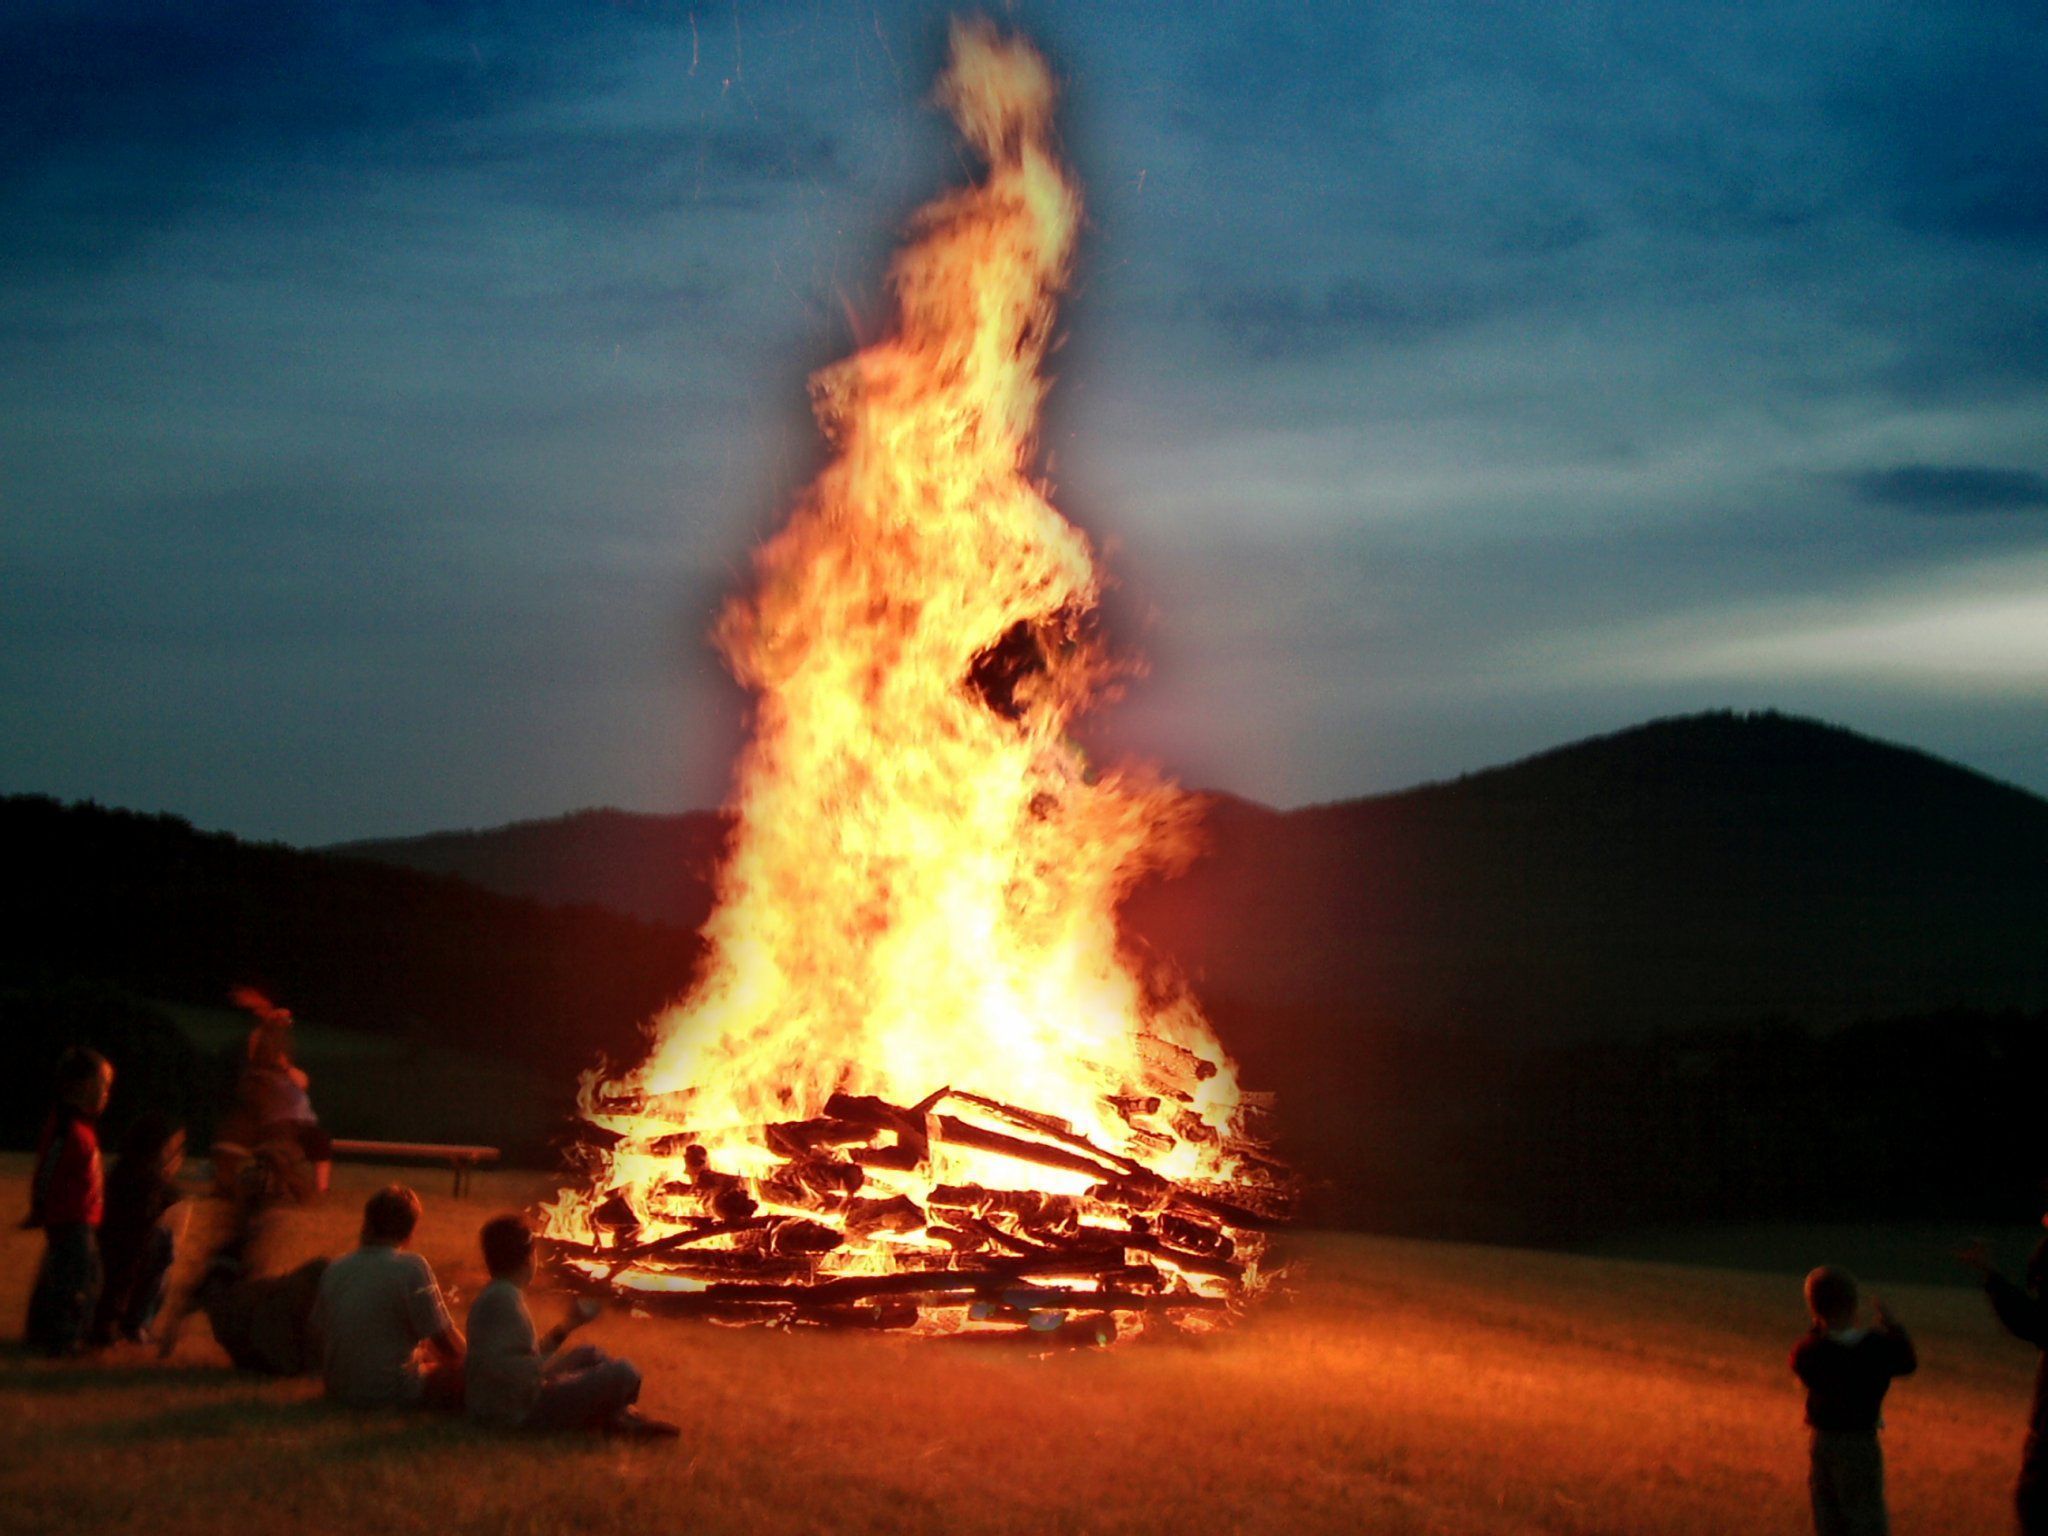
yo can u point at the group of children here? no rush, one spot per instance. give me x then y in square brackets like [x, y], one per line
[378, 1311]
[108, 1241]
[372, 1322]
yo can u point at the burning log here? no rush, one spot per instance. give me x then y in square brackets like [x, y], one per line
[962, 1134]
[1095, 1330]
[898, 1213]
[621, 1256]
[1135, 1242]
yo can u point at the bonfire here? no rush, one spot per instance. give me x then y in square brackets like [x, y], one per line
[920, 1082]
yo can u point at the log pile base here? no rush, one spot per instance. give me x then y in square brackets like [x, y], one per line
[852, 1226]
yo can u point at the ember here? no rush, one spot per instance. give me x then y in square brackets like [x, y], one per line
[918, 911]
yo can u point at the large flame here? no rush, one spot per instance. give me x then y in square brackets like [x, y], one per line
[922, 884]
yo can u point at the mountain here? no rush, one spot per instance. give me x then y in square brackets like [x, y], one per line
[657, 868]
[109, 912]
[1689, 872]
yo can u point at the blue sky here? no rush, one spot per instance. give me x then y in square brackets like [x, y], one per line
[389, 392]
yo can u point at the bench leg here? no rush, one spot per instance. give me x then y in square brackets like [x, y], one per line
[461, 1180]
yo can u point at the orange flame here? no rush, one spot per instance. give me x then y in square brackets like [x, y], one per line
[922, 886]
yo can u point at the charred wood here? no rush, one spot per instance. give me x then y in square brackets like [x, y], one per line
[961, 1133]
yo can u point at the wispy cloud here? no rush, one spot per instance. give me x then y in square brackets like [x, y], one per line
[1979, 627]
[1279, 321]
[1944, 490]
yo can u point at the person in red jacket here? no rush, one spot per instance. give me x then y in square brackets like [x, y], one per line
[65, 1200]
[1847, 1371]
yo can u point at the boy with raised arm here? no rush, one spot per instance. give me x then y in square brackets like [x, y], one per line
[518, 1381]
[1847, 1371]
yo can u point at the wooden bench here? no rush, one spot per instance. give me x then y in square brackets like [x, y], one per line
[464, 1160]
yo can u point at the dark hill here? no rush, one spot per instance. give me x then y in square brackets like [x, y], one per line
[658, 868]
[152, 909]
[1696, 871]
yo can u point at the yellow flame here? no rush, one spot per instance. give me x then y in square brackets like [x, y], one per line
[922, 884]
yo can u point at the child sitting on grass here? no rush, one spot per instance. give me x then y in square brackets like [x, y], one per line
[516, 1381]
[1847, 1371]
[377, 1309]
[66, 1199]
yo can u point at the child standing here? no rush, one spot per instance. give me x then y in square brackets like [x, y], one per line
[1847, 1371]
[519, 1382]
[65, 1200]
[145, 1218]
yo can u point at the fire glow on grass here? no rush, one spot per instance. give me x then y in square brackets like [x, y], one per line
[918, 1084]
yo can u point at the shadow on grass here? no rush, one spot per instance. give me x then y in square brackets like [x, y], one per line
[215, 1403]
[21, 1371]
[235, 1418]
[318, 1431]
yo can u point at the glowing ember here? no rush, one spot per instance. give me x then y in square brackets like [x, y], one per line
[918, 1084]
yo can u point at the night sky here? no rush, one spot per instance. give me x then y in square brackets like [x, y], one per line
[389, 392]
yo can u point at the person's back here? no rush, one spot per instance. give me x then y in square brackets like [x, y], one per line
[503, 1367]
[1847, 1372]
[376, 1306]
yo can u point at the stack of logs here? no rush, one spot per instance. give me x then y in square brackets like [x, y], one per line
[849, 1229]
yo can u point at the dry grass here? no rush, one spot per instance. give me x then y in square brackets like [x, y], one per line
[1399, 1387]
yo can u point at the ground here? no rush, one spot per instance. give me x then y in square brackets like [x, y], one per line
[1390, 1387]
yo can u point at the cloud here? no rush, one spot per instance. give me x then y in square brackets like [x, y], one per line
[1978, 628]
[124, 118]
[643, 168]
[1954, 142]
[1947, 490]
[1286, 321]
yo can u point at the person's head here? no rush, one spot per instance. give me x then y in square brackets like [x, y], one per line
[1831, 1296]
[390, 1215]
[84, 1079]
[154, 1142]
[508, 1249]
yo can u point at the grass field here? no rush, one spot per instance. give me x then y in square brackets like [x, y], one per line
[1393, 1387]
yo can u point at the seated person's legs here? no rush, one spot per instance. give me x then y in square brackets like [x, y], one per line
[587, 1398]
[581, 1358]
